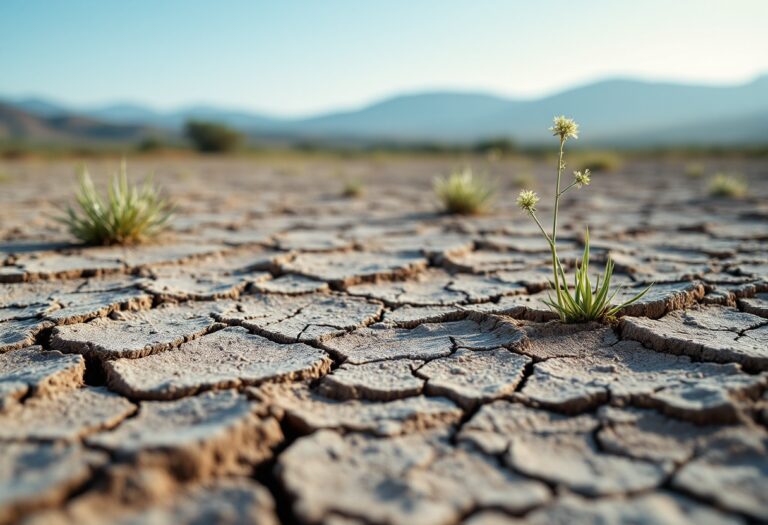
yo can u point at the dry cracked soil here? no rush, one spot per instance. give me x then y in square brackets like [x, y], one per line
[286, 355]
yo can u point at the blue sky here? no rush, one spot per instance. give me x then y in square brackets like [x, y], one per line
[297, 57]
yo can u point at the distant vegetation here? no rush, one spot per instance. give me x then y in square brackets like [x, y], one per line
[496, 147]
[210, 137]
[523, 180]
[728, 185]
[207, 137]
[694, 170]
[464, 193]
[151, 145]
[599, 161]
[353, 188]
[129, 214]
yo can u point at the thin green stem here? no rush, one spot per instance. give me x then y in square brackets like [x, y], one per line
[546, 235]
[553, 237]
[571, 185]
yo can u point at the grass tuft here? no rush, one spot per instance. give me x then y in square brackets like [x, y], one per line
[464, 193]
[130, 214]
[729, 186]
[587, 302]
[353, 189]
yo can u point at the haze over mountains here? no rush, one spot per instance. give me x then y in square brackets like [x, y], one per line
[612, 112]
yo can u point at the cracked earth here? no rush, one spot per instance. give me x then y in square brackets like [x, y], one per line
[285, 355]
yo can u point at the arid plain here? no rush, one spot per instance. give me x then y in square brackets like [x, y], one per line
[285, 354]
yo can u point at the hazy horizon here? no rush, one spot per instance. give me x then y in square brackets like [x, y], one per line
[426, 90]
[296, 59]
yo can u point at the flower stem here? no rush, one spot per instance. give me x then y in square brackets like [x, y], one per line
[553, 237]
[546, 235]
[571, 185]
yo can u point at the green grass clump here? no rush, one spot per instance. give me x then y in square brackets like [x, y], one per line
[729, 186]
[129, 214]
[587, 302]
[584, 302]
[353, 189]
[464, 193]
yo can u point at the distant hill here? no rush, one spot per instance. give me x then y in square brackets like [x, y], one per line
[39, 107]
[23, 126]
[611, 112]
[425, 116]
[136, 114]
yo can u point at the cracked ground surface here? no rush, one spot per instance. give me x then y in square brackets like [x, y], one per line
[285, 355]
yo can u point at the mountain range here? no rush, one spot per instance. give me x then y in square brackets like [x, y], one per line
[19, 125]
[611, 112]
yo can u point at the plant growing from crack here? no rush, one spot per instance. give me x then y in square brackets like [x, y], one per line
[585, 302]
[728, 185]
[130, 214]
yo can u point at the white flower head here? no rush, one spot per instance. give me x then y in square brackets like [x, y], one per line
[527, 200]
[582, 178]
[565, 128]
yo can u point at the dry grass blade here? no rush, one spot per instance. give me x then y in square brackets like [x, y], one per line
[130, 214]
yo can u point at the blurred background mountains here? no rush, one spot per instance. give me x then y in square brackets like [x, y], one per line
[615, 112]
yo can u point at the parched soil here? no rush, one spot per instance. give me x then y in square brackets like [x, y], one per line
[287, 355]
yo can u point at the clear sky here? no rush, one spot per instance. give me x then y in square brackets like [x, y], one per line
[291, 57]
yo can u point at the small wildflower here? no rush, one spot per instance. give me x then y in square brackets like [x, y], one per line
[565, 128]
[527, 200]
[582, 178]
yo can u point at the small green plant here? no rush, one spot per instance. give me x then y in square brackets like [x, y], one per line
[130, 214]
[463, 193]
[353, 189]
[727, 185]
[586, 302]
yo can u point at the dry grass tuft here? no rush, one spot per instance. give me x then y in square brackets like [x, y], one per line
[727, 185]
[353, 189]
[464, 193]
[130, 214]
